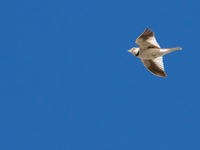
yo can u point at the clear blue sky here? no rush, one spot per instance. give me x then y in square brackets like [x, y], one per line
[67, 81]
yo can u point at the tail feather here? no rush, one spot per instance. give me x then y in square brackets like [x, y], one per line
[173, 49]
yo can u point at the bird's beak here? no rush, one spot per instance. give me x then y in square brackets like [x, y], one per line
[129, 50]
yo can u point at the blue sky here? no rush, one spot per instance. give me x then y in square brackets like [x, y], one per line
[68, 83]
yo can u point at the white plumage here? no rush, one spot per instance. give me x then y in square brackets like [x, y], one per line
[150, 53]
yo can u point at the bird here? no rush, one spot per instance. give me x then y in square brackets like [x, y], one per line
[150, 52]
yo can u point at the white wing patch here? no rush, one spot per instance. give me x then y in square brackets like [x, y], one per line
[159, 62]
[152, 41]
[155, 66]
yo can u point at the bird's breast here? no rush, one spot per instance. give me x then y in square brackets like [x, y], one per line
[149, 54]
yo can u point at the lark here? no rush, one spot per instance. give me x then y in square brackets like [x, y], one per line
[150, 52]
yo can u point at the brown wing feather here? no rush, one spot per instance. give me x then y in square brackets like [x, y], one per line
[147, 40]
[154, 68]
[146, 34]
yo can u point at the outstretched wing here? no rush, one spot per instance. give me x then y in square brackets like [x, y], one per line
[147, 40]
[155, 66]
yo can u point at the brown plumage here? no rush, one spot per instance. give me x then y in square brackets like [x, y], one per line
[147, 40]
[150, 53]
[146, 34]
[154, 68]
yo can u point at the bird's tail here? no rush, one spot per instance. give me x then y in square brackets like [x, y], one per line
[169, 50]
[173, 49]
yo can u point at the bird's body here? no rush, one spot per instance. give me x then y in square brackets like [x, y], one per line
[150, 53]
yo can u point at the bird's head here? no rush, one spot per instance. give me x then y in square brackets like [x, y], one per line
[134, 50]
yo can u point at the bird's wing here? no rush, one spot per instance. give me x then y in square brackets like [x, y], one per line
[155, 66]
[147, 40]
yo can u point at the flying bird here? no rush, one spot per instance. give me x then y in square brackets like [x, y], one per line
[150, 53]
